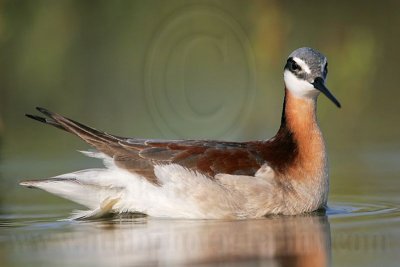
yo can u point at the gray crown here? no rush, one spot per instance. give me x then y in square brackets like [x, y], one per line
[315, 60]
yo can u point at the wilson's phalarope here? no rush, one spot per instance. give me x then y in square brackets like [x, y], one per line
[209, 179]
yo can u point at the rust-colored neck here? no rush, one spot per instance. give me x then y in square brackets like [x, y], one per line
[299, 116]
[300, 133]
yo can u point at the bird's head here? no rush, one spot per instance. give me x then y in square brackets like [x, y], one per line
[305, 74]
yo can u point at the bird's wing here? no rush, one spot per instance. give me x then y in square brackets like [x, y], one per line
[140, 155]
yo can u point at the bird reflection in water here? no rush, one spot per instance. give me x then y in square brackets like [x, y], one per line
[302, 240]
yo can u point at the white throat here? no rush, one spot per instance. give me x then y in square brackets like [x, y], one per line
[299, 88]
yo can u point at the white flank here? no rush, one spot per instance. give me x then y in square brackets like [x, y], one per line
[182, 194]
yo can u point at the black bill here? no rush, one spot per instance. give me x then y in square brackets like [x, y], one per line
[319, 85]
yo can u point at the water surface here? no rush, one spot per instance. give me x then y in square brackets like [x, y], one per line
[356, 230]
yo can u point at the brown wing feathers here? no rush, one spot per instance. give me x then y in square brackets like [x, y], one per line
[125, 158]
[140, 156]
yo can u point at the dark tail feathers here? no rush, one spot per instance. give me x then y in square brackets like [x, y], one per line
[98, 139]
[48, 120]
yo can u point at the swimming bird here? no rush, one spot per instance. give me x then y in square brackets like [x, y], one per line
[205, 179]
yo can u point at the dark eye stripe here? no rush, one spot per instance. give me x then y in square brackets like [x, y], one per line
[292, 65]
[295, 66]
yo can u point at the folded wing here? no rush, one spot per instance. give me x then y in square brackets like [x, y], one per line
[140, 155]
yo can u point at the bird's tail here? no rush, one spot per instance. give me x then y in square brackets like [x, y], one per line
[102, 141]
[91, 188]
[101, 190]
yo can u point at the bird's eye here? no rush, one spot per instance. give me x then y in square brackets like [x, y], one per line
[292, 65]
[295, 66]
[326, 69]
